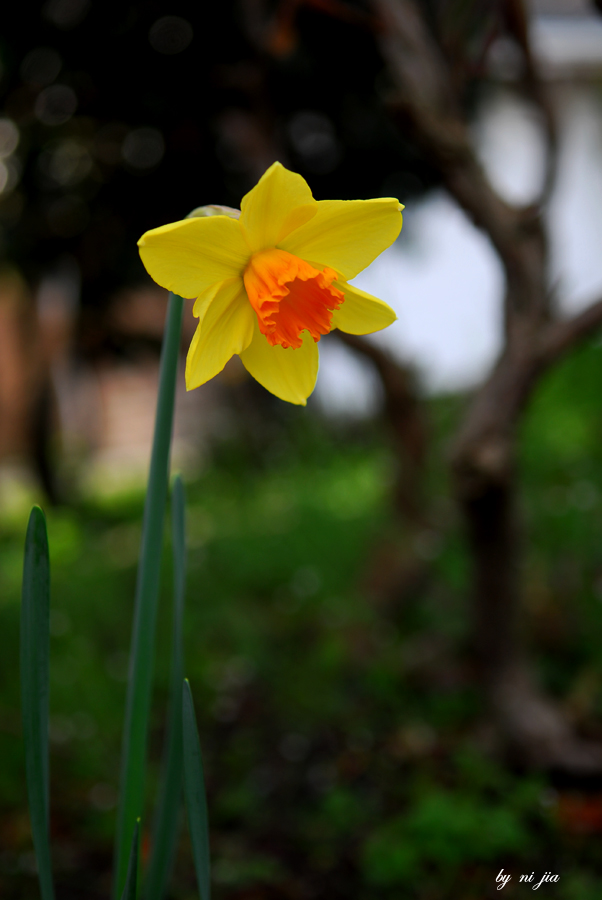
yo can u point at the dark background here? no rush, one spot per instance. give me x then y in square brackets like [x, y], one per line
[220, 111]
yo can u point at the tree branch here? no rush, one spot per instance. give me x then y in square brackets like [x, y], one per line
[561, 335]
[426, 100]
[405, 419]
[484, 453]
[518, 23]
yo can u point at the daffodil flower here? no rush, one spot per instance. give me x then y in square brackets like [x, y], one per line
[269, 283]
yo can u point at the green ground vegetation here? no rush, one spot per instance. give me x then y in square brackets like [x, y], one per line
[346, 749]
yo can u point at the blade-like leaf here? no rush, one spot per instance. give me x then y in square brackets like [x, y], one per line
[131, 878]
[165, 833]
[133, 764]
[194, 791]
[34, 689]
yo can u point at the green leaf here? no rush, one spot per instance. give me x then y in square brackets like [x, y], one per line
[194, 791]
[34, 689]
[135, 737]
[131, 878]
[165, 832]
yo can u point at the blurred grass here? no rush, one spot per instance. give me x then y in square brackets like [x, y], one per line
[345, 747]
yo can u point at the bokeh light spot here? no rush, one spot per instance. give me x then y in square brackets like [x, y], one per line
[65, 164]
[66, 13]
[9, 137]
[314, 140]
[170, 35]
[143, 148]
[10, 173]
[41, 66]
[55, 105]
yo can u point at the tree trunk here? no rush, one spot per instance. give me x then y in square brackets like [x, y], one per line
[531, 726]
[492, 536]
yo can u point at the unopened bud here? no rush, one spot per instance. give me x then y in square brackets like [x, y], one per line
[214, 210]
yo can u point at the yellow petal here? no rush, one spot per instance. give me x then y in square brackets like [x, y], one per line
[289, 374]
[189, 256]
[225, 328]
[361, 313]
[279, 203]
[205, 298]
[346, 234]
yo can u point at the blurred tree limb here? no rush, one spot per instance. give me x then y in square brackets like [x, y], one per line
[484, 454]
[405, 417]
[432, 53]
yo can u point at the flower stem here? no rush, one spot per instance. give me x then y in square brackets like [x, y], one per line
[133, 766]
[167, 817]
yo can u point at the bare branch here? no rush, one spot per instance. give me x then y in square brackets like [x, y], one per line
[406, 422]
[518, 24]
[561, 335]
[484, 454]
[426, 102]
[420, 68]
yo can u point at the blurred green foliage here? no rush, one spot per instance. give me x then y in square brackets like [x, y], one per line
[347, 753]
[445, 831]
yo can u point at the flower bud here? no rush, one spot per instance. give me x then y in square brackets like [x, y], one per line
[214, 210]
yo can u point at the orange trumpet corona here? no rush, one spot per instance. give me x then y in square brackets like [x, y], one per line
[290, 296]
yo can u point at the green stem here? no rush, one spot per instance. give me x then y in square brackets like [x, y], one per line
[131, 795]
[165, 832]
